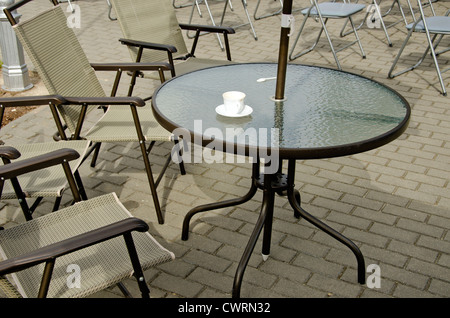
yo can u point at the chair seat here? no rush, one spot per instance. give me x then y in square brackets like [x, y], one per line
[101, 265]
[117, 125]
[49, 182]
[435, 24]
[336, 10]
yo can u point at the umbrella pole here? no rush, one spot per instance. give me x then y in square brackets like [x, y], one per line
[283, 53]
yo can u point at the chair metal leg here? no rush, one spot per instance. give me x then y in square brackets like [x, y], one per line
[269, 14]
[431, 47]
[324, 28]
[138, 273]
[152, 183]
[95, 155]
[291, 55]
[358, 40]
[183, 5]
[179, 155]
[80, 185]
[56, 204]
[109, 11]
[196, 6]
[377, 9]
[244, 4]
[148, 168]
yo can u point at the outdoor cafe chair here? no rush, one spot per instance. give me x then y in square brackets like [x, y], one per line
[374, 18]
[69, 73]
[78, 250]
[434, 27]
[43, 183]
[152, 33]
[322, 12]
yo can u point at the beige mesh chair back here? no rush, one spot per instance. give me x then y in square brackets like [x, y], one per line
[78, 250]
[66, 73]
[151, 21]
[433, 27]
[153, 25]
[63, 66]
[44, 183]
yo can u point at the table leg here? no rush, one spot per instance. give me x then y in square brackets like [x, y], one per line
[330, 231]
[267, 206]
[222, 204]
[264, 220]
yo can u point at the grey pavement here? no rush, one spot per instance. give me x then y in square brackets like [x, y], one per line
[393, 202]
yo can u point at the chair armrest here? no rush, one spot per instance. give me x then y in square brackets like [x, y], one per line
[53, 158]
[136, 101]
[31, 100]
[9, 153]
[72, 244]
[131, 66]
[207, 28]
[149, 45]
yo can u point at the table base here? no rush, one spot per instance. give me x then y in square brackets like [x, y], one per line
[271, 184]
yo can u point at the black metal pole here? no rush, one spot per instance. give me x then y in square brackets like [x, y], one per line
[283, 53]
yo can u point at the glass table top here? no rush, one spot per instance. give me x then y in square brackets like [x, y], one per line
[325, 112]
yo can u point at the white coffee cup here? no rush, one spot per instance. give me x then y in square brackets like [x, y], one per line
[233, 102]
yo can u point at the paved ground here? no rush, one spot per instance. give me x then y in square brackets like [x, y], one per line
[394, 202]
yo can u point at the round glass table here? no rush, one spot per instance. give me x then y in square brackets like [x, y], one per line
[325, 113]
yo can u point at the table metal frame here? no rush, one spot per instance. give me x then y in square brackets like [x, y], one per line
[283, 185]
[272, 184]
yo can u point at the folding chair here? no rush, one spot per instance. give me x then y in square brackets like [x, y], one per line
[375, 16]
[69, 73]
[431, 25]
[44, 183]
[78, 250]
[153, 34]
[322, 12]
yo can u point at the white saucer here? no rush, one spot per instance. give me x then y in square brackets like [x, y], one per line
[221, 111]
